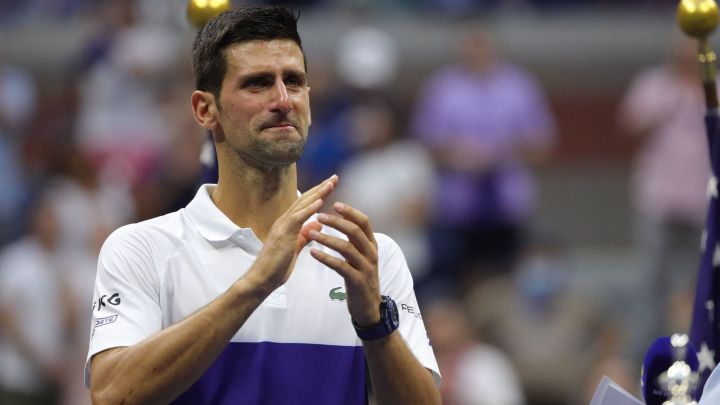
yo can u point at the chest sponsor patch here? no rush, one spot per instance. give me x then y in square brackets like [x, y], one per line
[336, 294]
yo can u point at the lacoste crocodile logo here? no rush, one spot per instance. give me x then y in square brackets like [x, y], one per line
[337, 295]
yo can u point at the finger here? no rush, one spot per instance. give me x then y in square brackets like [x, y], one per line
[332, 179]
[308, 198]
[311, 226]
[357, 217]
[304, 237]
[304, 213]
[345, 248]
[356, 235]
[322, 190]
[340, 266]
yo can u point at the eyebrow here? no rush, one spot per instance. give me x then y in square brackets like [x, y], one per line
[270, 74]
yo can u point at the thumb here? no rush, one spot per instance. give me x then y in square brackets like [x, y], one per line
[303, 238]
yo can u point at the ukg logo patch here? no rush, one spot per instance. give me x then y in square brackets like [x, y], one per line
[104, 301]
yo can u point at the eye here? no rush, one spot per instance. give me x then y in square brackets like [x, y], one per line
[294, 80]
[258, 82]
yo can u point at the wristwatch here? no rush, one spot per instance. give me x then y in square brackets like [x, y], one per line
[389, 321]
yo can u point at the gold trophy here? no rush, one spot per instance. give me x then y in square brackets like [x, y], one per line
[698, 19]
[199, 12]
[679, 381]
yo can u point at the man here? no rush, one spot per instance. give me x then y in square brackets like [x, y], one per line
[34, 312]
[661, 107]
[486, 123]
[232, 299]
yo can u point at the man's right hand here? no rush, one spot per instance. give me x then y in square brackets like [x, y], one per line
[286, 239]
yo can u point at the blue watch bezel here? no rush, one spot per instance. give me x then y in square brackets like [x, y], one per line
[389, 321]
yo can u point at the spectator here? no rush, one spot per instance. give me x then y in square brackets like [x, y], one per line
[664, 107]
[327, 146]
[473, 373]
[17, 108]
[390, 179]
[120, 120]
[367, 61]
[484, 120]
[33, 314]
[79, 192]
[550, 331]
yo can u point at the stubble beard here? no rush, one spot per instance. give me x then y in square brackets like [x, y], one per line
[265, 154]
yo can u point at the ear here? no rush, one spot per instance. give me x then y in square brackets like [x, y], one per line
[204, 109]
[309, 109]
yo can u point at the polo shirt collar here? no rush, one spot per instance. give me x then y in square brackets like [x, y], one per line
[212, 223]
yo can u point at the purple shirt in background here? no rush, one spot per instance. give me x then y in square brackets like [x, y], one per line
[495, 114]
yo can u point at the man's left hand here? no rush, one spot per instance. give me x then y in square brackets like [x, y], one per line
[360, 267]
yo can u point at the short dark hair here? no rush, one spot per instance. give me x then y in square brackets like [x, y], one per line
[236, 26]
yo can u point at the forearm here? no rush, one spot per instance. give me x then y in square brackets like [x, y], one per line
[167, 363]
[397, 376]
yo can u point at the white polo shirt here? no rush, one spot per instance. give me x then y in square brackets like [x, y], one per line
[298, 346]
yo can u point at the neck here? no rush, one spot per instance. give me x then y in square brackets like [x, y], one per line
[254, 198]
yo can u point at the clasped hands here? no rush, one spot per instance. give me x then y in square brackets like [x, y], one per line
[358, 265]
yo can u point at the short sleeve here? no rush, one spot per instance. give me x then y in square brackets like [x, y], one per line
[536, 126]
[126, 304]
[396, 282]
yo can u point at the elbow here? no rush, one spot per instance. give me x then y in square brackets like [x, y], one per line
[106, 396]
[100, 396]
[109, 395]
[104, 389]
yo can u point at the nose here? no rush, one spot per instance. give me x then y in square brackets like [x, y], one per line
[281, 101]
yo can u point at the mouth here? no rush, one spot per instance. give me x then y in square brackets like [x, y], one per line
[279, 125]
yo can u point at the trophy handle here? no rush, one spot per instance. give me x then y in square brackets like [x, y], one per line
[708, 72]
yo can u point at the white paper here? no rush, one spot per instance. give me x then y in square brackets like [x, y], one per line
[609, 392]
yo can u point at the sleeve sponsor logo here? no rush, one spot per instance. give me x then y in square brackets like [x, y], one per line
[105, 321]
[106, 300]
[411, 310]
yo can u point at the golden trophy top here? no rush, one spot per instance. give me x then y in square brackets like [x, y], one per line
[697, 18]
[199, 12]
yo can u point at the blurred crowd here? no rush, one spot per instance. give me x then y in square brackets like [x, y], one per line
[448, 173]
[15, 11]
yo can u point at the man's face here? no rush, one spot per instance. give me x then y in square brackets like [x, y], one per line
[264, 105]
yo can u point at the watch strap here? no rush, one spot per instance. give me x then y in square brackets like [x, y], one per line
[388, 321]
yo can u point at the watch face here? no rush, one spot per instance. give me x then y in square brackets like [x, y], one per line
[392, 309]
[389, 321]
